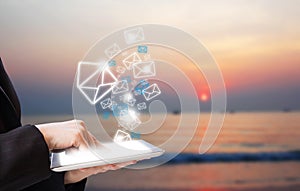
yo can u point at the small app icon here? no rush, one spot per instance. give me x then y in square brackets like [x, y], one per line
[134, 35]
[120, 87]
[106, 103]
[141, 106]
[112, 63]
[131, 59]
[121, 136]
[144, 69]
[142, 49]
[151, 92]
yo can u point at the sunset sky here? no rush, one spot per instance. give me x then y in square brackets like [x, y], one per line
[255, 43]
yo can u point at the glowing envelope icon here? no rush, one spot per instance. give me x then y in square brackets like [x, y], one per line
[94, 80]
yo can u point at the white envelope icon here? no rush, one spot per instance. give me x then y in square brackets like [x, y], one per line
[106, 103]
[94, 80]
[120, 87]
[130, 60]
[129, 122]
[134, 35]
[112, 50]
[121, 136]
[141, 106]
[151, 92]
[144, 69]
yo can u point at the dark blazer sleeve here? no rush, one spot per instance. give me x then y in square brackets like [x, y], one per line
[24, 158]
[24, 155]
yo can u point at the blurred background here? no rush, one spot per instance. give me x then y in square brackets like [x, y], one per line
[255, 43]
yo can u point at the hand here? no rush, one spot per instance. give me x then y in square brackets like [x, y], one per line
[77, 175]
[67, 134]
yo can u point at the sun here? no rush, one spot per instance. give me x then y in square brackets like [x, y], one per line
[204, 97]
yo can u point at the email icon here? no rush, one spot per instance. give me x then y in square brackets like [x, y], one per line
[120, 87]
[134, 35]
[112, 50]
[144, 69]
[94, 80]
[129, 122]
[135, 135]
[127, 78]
[142, 49]
[106, 103]
[130, 60]
[121, 136]
[151, 92]
[112, 63]
[141, 106]
[140, 86]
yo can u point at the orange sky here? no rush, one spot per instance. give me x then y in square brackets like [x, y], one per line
[256, 43]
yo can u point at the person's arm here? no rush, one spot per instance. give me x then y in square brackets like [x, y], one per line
[24, 154]
[24, 158]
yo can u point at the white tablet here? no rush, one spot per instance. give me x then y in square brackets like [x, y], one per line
[108, 153]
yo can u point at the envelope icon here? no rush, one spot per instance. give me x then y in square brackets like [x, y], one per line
[112, 50]
[130, 60]
[151, 92]
[106, 103]
[112, 63]
[120, 87]
[142, 49]
[141, 106]
[140, 86]
[129, 122]
[135, 135]
[94, 80]
[134, 35]
[144, 69]
[121, 136]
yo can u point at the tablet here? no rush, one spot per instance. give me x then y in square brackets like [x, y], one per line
[108, 153]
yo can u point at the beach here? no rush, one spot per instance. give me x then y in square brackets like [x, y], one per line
[254, 151]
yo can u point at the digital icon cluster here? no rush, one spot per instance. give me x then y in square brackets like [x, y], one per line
[121, 86]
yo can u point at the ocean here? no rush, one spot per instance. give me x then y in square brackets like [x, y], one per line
[254, 151]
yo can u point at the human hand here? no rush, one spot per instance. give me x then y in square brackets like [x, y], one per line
[77, 175]
[67, 134]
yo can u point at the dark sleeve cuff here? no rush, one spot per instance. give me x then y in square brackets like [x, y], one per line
[78, 186]
[24, 158]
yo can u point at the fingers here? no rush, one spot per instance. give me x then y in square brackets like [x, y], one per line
[105, 168]
[84, 139]
[96, 170]
[78, 139]
[124, 164]
[95, 142]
